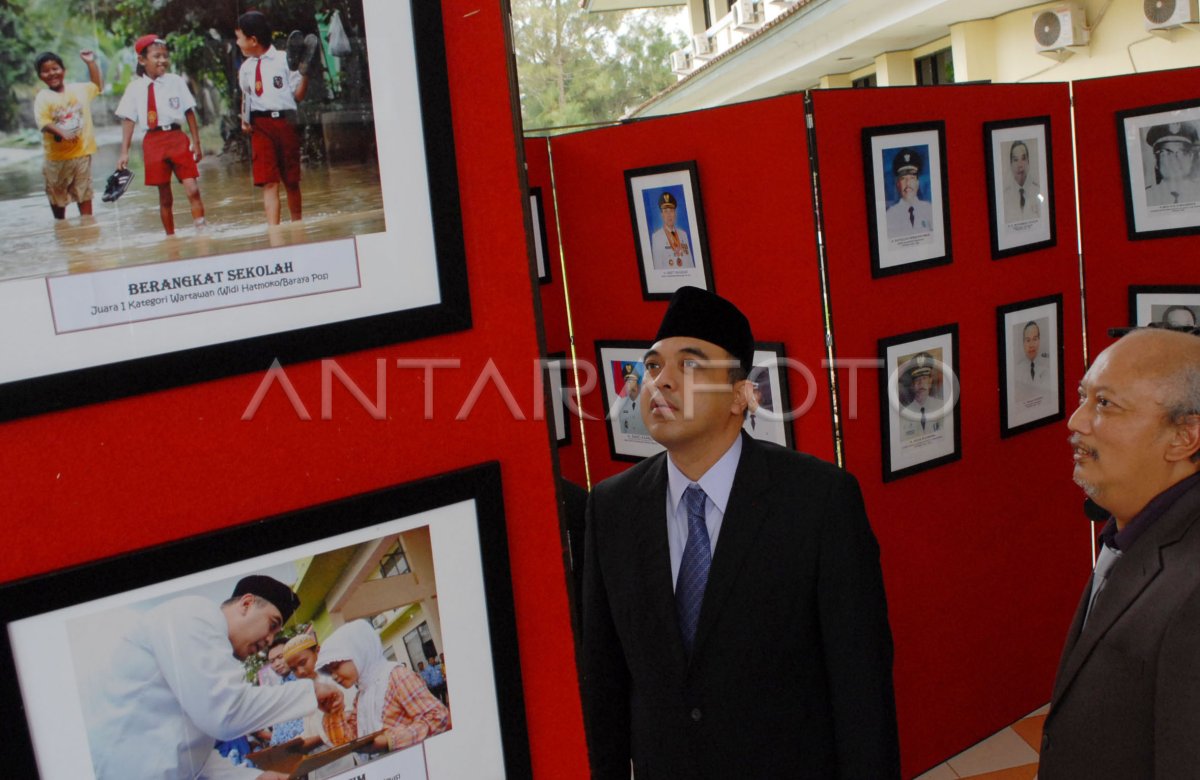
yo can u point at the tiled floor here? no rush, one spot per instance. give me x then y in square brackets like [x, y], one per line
[1010, 754]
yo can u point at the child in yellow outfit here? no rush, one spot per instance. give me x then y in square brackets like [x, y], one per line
[63, 114]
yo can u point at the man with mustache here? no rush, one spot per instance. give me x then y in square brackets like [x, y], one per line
[1126, 701]
[734, 618]
[909, 215]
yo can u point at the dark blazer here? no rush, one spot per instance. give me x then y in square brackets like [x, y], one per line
[791, 675]
[1126, 701]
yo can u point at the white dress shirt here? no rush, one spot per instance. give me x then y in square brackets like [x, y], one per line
[716, 483]
[172, 100]
[279, 84]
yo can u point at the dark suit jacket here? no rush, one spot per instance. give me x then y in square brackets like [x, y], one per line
[791, 675]
[1126, 701]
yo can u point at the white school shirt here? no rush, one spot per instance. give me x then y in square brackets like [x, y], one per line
[172, 99]
[279, 83]
[716, 483]
[173, 688]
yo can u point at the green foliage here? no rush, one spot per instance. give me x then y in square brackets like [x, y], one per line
[575, 67]
[19, 31]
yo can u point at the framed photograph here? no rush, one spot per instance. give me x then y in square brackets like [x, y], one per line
[537, 212]
[1172, 304]
[559, 380]
[109, 306]
[1030, 352]
[918, 395]
[1162, 177]
[908, 201]
[1020, 184]
[405, 574]
[668, 229]
[621, 370]
[770, 417]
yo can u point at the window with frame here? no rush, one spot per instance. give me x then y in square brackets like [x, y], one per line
[869, 80]
[936, 68]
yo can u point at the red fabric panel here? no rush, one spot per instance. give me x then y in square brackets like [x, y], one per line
[1111, 261]
[106, 479]
[984, 558]
[758, 209]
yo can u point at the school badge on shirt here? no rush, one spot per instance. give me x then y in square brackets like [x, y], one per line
[278, 82]
[174, 103]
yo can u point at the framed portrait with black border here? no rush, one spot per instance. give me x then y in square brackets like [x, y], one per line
[108, 307]
[537, 212]
[1020, 181]
[92, 655]
[770, 415]
[908, 200]
[621, 367]
[918, 393]
[559, 380]
[1029, 348]
[1159, 147]
[1177, 305]
[668, 229]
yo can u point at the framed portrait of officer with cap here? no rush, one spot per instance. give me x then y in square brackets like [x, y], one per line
[1159, 150]
[621, 368]
[918, 392]
[1020, 185]
[668, 229]
[908, 209]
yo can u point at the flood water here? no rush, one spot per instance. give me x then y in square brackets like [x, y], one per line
[340, 200]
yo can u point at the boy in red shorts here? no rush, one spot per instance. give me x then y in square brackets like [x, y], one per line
[159, 102]
[270, 90]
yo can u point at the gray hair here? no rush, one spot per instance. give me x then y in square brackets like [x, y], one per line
[1183, 397]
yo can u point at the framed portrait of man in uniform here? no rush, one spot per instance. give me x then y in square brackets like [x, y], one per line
[1159, 146]
[668, 229]
[1030, 349]
[770, 414]
[1020, 185]
[621, 368]
[908, 205]
[1173, 305]
[918, 396]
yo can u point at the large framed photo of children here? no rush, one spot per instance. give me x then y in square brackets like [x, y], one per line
[622, 372]
[1030, 349]
[252, 646]
[1159, 146]
[223, 189]
[918, 395]
[668, 229]
[1167, 305]
[1020, 185]
[908, 204]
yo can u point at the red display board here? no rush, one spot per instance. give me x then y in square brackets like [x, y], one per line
[761, 237]
[1112, 261]
[105, 479]
[983, 557]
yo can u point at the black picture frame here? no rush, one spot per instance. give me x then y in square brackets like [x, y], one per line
[628, 439]
[1040, 399]
[925, 242]
[24, 396]
[1147, 300]
[770, 375]
[558, 377]
[541, 245]
[435, 502]
[1149, 212]
[644, 187]
[911, 443]
[1020, 219]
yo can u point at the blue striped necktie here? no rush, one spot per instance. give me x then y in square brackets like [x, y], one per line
[693, 569]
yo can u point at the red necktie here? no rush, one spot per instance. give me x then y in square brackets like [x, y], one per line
[258, 78]
[151, 108]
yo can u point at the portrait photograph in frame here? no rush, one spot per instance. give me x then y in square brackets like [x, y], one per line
[770, 415]
[1030, 349]
[537, 211]
[420, 569]
[1020, 182]
[668, 229]
[559, 380]
[1158, 146]
[95, 334]
[1177, 305]
[621, 368]
[918, 392]
[908, 205]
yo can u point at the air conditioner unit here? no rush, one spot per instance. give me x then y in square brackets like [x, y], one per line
[1057, 28]
[747, 15]
[703, 47]
[681, 62]
[1168, 14]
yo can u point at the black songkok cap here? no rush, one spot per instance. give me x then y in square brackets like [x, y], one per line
[270, 589]
[699, 314]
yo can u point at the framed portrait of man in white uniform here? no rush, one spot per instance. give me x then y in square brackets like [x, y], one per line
[668, 228]
[1030, 348]
[1160, 156]
[1020, 182]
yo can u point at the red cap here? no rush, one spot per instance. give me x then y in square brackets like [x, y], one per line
[141, 44]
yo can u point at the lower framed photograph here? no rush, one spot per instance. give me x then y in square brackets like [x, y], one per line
[918, 392]
[541, 247]
[560, 408]
[154, 663]
[621, 368]
[770, 415]
[1030, 349]
[1177, 305]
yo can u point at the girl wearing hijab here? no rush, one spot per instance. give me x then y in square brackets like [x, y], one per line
[391, 698]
